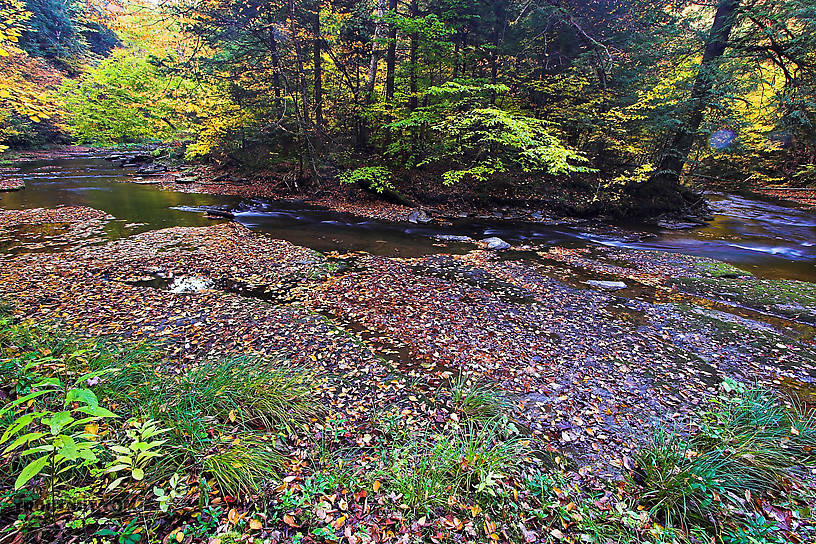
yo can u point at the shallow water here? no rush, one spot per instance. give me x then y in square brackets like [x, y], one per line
[769, 239]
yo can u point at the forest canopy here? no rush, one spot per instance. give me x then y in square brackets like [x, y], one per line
[626, 101]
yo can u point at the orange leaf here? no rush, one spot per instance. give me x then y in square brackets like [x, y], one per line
[255, 525]
[376, 486]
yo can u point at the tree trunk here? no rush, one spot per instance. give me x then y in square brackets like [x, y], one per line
[318, 68]
[674, 160]
[412, 59]
[391, 53]
[379, 30]
[498, 30]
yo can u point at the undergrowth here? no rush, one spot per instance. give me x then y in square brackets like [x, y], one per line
[110, 443]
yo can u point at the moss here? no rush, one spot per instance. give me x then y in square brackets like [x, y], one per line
[719, 269]
[795, 300]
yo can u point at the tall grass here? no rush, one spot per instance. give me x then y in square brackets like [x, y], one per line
[478, 401]
[243, 465]
[255, 392]
[750, 439]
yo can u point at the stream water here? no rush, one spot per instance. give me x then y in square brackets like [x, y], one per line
[769, 239]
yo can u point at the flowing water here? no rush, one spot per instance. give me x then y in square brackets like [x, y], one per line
[769, 239]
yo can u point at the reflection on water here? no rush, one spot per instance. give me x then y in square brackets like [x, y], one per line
[766, 238]
[769, 239]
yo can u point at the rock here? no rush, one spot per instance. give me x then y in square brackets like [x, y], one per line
[452, 238]
[419, 217]
[152, 169]
[676, 225]
[495, 243]
[134, 161]
[185, 181]
[220, 214]
[611, 285]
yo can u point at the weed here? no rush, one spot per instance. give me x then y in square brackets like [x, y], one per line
[470, 464]
[477, 401]
[243, 465]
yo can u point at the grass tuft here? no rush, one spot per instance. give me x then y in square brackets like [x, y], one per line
[243, 465]
[478, 401]
[750, 440]
[470, 463]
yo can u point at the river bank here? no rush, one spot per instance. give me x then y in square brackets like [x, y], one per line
[555, 204]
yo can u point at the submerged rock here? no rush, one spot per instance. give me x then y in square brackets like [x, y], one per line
[495, 243]
[611, 285]
[452, 238]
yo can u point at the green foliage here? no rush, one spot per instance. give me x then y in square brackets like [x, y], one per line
[487, 142]
[248, 391]
[168, 497]
[125, 98]
[477, 401]
[50, 433]
[203, 422]
[134, 457]
[243, 466]
[376, 178]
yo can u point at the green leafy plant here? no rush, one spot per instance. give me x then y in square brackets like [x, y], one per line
[175, 490]
[133, 458]
[53, 433]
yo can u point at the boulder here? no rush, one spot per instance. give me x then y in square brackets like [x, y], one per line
[420, 216]
[495, 243]
[152, 169]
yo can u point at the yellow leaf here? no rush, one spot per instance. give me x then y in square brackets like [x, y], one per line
[232, 416]
[376, 486]
[179, 536]
[255, 525]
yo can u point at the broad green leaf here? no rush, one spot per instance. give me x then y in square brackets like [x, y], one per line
[30, 470]
[68, 449]
[97, 411]
[58, 421]
[22, 400]
[85, 396]
[24, 439]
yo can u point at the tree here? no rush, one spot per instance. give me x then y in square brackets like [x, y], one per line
[672, 163]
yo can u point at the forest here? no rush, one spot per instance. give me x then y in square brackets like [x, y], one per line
[408, 271]
[609, 106]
